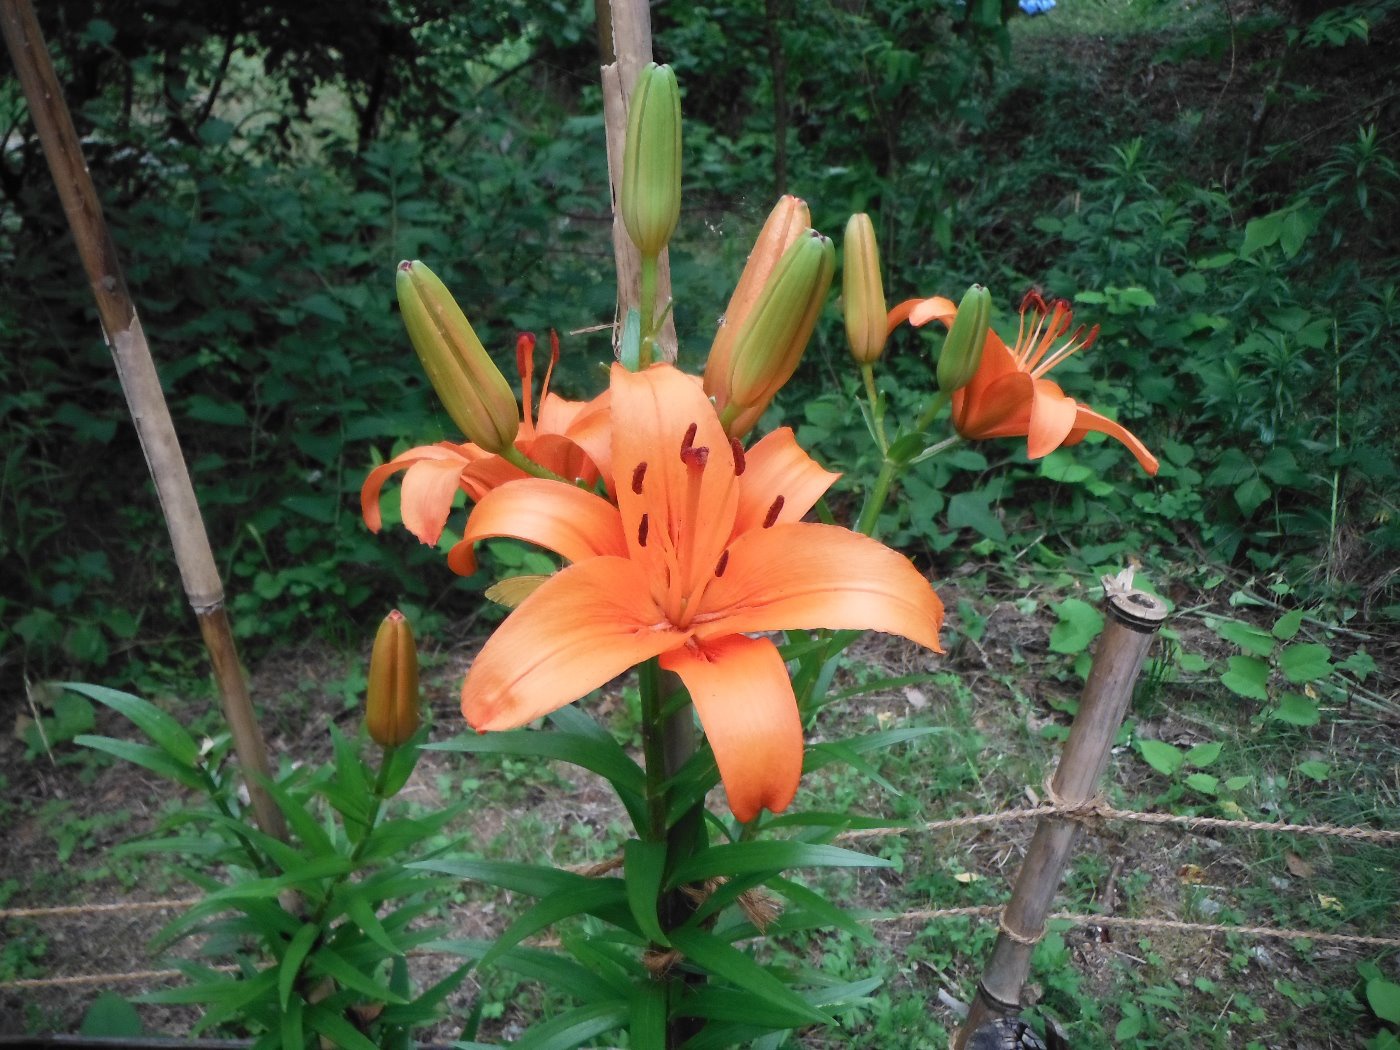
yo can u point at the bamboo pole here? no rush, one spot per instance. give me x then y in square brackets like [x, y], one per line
[1133, 620]
[121, 327]
[624, 33]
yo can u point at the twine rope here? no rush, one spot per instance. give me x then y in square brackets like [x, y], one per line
[1096, 809]
[979, 911]
[1088, 811]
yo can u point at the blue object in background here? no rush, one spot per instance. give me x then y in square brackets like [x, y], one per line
[1037, 7]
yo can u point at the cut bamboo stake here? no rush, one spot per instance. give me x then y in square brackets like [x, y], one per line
[624, 31]
[122, 329]
[1133, 619]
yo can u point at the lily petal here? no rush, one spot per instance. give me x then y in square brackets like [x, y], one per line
[488, 473]
[428, 490]
[561, 455]
[778, 466]
[566, 520]
[446, 453]
[808, 576]
[690, 505]
[1086, 419]
[1001, 408]
[1052, 418]
[583, 627]
[919, 312]
[934, 309]
[742, 693]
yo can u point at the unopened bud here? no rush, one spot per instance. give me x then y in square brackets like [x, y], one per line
[467, 381]
[771, 342]
[862, 292]
[962, 349]
[788, 220]
[391, 705]
[651, 160]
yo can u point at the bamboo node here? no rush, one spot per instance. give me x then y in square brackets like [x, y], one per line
[1089, 812]
[1016, 935]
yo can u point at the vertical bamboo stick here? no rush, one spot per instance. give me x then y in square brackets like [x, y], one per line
[1133, 619]
[626, 36]
[122, 329]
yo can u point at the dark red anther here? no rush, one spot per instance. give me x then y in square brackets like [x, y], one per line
[771, 518]
[637, 476]
[642, 532]
[690, 433]
[1034, 301]
[553, 348]
[524, 351]
[695, 457]
[722, 564]
[738, 451]
[1091, 337]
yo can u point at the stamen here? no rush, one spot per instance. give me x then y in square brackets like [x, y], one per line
[524, 351]
[642, 531]
[695, 457]
[689, 440]
[722, 564]
[525, 366]
[637, 476]
[738, 450]
[553, 360]
[771, 518]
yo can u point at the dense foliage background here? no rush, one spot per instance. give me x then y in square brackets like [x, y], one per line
[1215, 184]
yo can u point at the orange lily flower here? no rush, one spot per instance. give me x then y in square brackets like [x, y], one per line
[1008, 396]
[569, 438]
[704, 546]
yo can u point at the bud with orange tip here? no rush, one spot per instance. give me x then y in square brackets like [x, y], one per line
[786, 222]
[391, 707]
[863, 292]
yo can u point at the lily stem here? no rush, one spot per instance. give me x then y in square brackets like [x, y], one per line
[653, 748]
[647, 308]
[515, 457]
[934, 406]
[875, 498]
[877, 413]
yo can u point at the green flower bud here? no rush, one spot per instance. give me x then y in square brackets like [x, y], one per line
[962, 349]
[771, 342]
[651, 160]
[391, 703]
[862, 292]
[467, 381]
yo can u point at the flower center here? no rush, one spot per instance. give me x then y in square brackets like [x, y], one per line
[1041, 343]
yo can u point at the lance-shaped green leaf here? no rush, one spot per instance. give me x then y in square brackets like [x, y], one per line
[591, 896]
[162, 729]
[785, 1006]
[576, 1027]
[643, 865]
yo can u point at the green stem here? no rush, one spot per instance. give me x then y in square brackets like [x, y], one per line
[934, 406]
[875, 498]
[517, 458]
[653, 748]
[259, 863]
[647, 308]
[876, 413]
